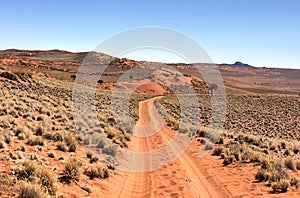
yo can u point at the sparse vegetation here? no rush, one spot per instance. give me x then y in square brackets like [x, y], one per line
[29, 190]
[71, 170]
[97, 171]
[36, 117]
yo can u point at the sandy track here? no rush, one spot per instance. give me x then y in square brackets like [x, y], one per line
[185, 177]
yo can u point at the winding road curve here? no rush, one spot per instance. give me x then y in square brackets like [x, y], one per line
[185, 177]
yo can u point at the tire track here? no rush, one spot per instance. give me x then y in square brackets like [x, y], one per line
[199, 182]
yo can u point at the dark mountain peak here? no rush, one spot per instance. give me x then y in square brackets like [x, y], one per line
[240, 64]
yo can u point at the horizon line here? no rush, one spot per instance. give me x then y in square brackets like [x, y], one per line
[214, 63]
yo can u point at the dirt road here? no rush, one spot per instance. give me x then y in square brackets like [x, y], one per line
[184, 177]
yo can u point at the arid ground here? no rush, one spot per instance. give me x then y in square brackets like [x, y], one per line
[48, 149]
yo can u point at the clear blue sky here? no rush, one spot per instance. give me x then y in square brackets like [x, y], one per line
[258, 32]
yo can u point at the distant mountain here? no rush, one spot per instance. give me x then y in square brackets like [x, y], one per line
[238, 64]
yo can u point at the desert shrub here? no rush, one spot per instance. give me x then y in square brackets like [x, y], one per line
[220, 140]
[51, 155]
[208, 146]
[127, 137]
[255, 157]
[218, 151]
[296, 149]
[62, 146]
[273, 146]
[290, 164]
[262, 175]
[86, 141]
[2, 145]
[266, 164]
[20, 154]
[7, 138]
[46, 181]
[183, 129]
[71, 170]
[203, 141]
[278, 175]
[278, 166]
[70, 141]
[89, 154]
[25, 170]
[98, 172]
[110, 134]
[40, 148]
[93, 159]
[282, 186]
[237, 155]
[58, 137]
[32, 156]
[28, 190]
[99, 81]
[94, 173]
[35, 141]
[55, 137]
[120, 140]
[288, 152]
[254, 140]
[20, 130]
[68, 138]
[295, 182]
[72, 147]
[265, 151]
[283, 145]
[229, 160]
[110, 150]
[111, 166]
[298, 165]
[13, 156]
[39, 130]
[223, 155]
[201, 133]
[73, 76]
[22, 136]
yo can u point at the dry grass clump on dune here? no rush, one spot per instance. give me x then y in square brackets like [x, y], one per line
[71, 170]
[29, 190]
[36, 118]
[273, 116]
[97, 171]
[278, 159]
[35, 176]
